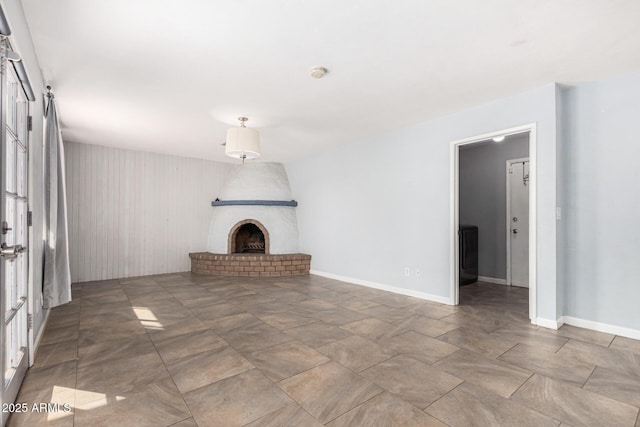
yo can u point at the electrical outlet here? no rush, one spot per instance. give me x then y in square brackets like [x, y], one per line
[407, 272]
[417, 272]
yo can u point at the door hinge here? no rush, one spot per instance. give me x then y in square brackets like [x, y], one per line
[29, 218]
[511, 169]
[29, 321]
[30, 123]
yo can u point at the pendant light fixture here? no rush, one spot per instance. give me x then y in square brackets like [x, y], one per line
[242, 142]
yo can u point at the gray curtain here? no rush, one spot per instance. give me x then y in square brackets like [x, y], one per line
[56, 288]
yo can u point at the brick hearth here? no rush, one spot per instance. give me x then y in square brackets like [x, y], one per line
[250, 264]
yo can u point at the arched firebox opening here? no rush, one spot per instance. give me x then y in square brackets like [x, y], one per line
[248, 236]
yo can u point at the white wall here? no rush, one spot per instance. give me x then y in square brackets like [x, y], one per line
[22, 43]
[133, 213]
[483, 198]
[602, 202]
[368, 209]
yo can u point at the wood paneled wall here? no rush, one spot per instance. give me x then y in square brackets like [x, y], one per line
[133, 213]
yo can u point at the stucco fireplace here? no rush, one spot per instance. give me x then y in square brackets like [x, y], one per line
[253, 229]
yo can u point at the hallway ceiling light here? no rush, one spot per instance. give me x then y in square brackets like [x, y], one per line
[242, 142]
[499, 138]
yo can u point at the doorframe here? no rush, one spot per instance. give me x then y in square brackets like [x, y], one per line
[19, 371]
[454, 202]
[510, 162]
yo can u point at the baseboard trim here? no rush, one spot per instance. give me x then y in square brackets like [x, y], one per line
[36, 341]
[520, 285]
[548, 323]
[492, 280]
[602, 327]
[388, 288]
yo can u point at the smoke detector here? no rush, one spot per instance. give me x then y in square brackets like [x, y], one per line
[318, 72]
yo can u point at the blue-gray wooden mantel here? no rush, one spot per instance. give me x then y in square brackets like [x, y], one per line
[291, 203]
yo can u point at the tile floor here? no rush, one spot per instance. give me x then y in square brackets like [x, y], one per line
[187, 350]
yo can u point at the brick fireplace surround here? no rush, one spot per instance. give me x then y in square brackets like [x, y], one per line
[253, 265]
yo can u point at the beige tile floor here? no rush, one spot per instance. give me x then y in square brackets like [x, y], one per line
[187, 350]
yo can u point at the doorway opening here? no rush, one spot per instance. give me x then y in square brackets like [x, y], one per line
[482, 215]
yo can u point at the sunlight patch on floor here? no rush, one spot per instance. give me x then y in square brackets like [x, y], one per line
[148, 319]
[61, 396]
[86, 400]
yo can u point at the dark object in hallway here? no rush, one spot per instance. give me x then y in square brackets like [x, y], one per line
[468, 259]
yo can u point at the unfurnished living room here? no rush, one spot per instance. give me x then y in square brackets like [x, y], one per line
[341, 213]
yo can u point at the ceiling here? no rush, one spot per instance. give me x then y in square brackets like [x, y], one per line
[171, 76]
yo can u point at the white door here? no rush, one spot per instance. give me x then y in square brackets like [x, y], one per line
[13, 237]
[518, 222]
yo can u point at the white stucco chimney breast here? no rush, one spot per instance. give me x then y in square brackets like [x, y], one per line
[244, 196]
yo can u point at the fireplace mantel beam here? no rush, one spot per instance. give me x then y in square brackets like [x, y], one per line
[291, 203]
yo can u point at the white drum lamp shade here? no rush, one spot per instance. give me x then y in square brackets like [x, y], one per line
[242, 143]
